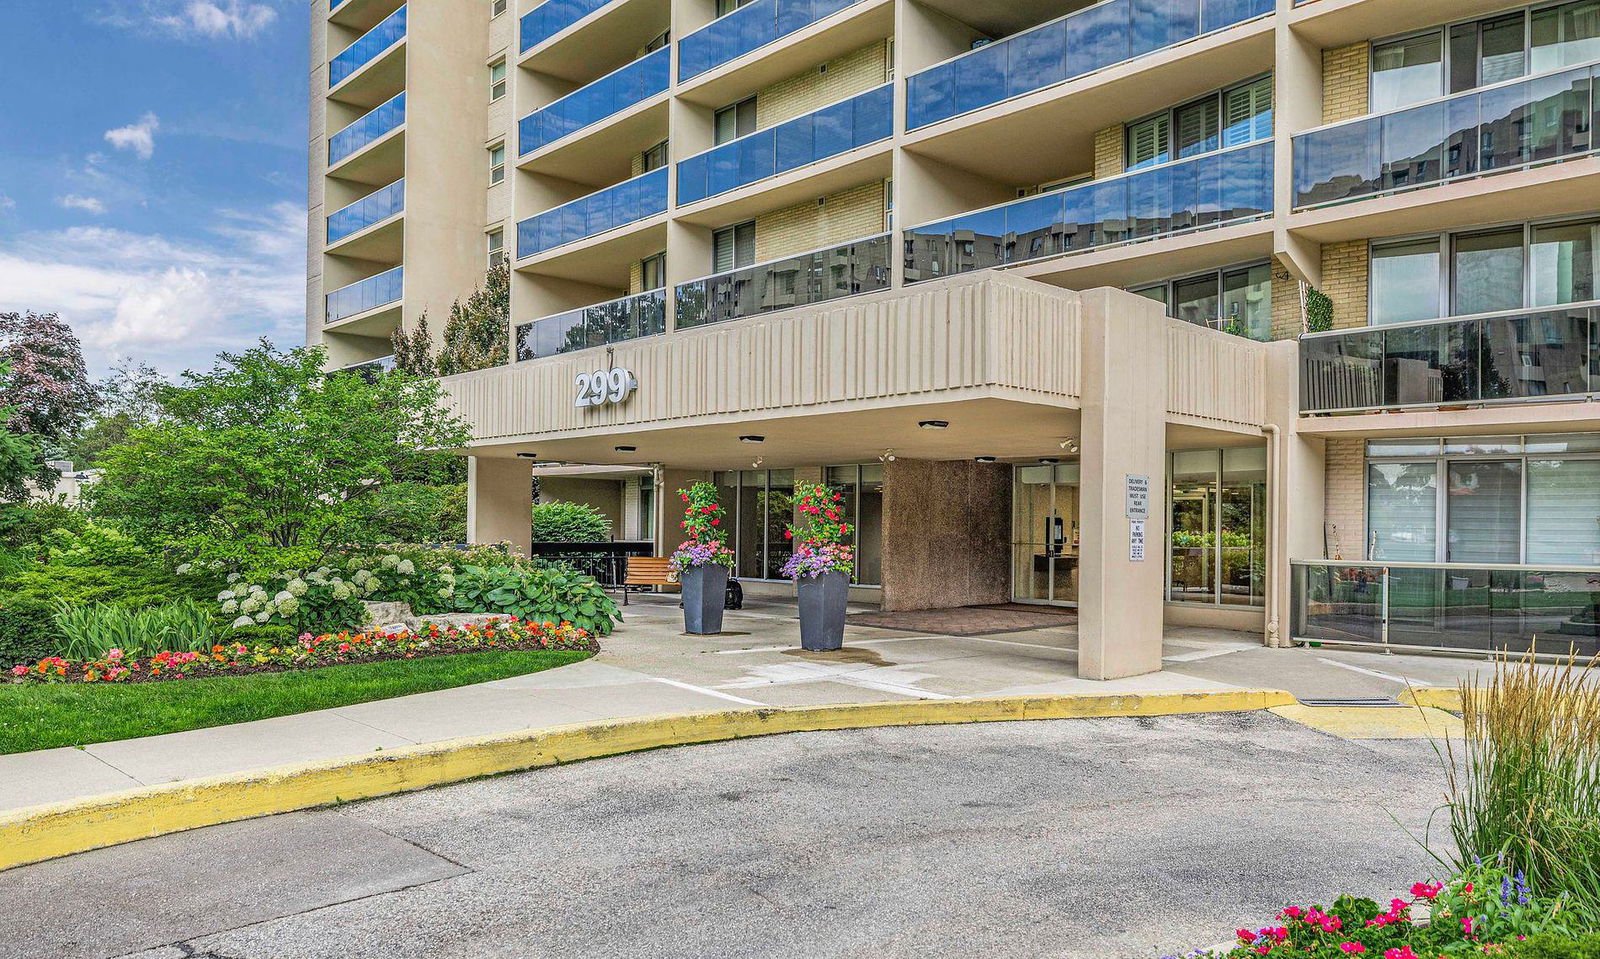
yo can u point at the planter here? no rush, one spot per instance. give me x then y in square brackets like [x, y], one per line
[705, 594]
[822, 608]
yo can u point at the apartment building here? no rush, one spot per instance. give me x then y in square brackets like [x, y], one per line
[1273, 316]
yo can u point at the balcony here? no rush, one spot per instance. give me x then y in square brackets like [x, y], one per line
[1075, 45]
[367, 130]
[370, 210]
[1509, 126]
[1203, 192]
[840, 128]
[370, 370]
[364, 296]
[805, 279]
[604, 210]
[1523, 356]
[551, 17]
[367, 48]
[603, 324]
[611, 94]
[749, 28]
[1447, 606]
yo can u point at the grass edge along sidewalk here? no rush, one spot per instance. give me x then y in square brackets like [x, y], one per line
[37, 833]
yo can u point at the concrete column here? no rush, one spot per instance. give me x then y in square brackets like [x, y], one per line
[1120, 601]
[500, 501]
[1297, 468]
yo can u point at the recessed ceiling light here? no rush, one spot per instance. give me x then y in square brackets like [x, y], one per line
[1047, 460]
[934, 424]
[626, 449]
[529, 456]
[984, 459]
[752, 439]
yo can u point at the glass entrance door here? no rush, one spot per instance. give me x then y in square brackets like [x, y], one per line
[1044, 534]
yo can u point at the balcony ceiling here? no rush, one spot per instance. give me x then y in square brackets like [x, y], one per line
[603, 154]
[608, 41]
[1001, 18]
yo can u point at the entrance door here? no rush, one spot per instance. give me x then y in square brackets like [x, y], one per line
[1044, 534]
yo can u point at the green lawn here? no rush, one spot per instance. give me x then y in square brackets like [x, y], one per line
[76, 714]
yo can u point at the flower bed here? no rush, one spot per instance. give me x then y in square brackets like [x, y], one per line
[311, 652]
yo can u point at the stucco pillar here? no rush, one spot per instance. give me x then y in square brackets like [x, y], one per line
[1120, 601]
[1296, 491]
[500, 501]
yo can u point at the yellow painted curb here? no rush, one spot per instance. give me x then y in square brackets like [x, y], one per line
[45, 832]
[1440, 697]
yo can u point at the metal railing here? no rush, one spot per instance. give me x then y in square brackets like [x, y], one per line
[1210, 190]
[611, 94]
[615, 321]
[370, 128]
[1447, 606]
[367, 47]
[370, 210]
[834, 129]
[364, 295]
[1515, 356]
[748, 28]
[607, 563]
[1077, 44]
[848, 269]
[615, 206]
[1508, 126]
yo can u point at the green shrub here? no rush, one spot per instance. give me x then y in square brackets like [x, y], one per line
[28, 631]
[23, 526]
[569, 523]
[1556, 947]
[410, 513]
[94, 544]
[542, 595]
[272, 634]
[451, 518]
[132, 587]
[93, 631]
[1319, 311]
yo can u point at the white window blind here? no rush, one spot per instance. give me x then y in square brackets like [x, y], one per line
[1564, 512]
[1148, 142]
[1247, 113]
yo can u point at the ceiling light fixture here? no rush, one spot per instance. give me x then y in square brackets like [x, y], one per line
[529, 456]
[1070, 445]
[984, 459]
[934, 424]
[626, 449]
[752, 439]
[887, 456]
[1048, 460]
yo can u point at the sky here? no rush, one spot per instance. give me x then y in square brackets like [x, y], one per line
[153, 173]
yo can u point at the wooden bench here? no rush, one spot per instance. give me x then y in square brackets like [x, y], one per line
[647, 572]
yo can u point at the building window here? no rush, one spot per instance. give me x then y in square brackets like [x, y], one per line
[1486, 272]
[659, 41]
[862, 489]
[653, 272]
[1237, 300]
[733, 247]
[654, 158]
[497, 164]
[647, 507]
[1218, 509]
[761, 503]
[735, 121]
[725, 7]
[497, 81]
[497, 249]
[496, 7]
[1225, 118]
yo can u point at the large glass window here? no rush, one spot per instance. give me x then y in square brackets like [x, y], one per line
[1403, 511]
[1564, 512]
[1237, 300]
[1217, 549]
[1236, 115]
[1564, 260]
[1486, 272]
[761, 503]
[1405, 281]
[1484, 511]
[862, 487]
[1406, 71]
[1566, 35]
[733, 247]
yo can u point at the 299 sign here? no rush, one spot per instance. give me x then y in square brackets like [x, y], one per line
[603, 387]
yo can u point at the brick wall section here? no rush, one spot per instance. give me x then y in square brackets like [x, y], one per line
[1345, 507]
[635, 278]
[849, 215]
[1286, 320]
[1344, 82]
[1344, 279]
[838, 79]
[1108, 151]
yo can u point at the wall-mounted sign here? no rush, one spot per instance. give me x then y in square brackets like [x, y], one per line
[1136, 541]
[1138, 488]
[605, 387]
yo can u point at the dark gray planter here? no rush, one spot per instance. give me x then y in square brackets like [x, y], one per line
[822, 607]
[705, 594]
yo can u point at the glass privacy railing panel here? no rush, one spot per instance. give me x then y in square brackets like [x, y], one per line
[609, 95]
[1205, 191]
[748, 28]
[850, 269]
[644, 314]
[371, 369]
[1506, 127]
[619, 205]
[375, 207]
[1534, 355]
[372, 127]
[367, 47]
[1080, 43]
[1447, 606]
[856, 122]
[551, 17]
[368, 294]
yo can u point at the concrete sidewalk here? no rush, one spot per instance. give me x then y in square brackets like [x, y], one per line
[650, 667]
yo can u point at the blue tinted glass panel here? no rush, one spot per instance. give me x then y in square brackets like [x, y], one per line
[370, 128]
[367, 47]
[615, 206]
[611, 94]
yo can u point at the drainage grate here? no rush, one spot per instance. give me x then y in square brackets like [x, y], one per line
[1369, 702]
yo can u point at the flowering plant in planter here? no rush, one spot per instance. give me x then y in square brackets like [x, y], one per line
[707, 544]
[822, 537]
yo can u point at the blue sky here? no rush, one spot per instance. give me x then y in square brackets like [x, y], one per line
[152, 173]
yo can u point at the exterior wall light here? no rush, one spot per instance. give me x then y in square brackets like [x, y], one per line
[983, 459]
[528, 456]
[626, 449]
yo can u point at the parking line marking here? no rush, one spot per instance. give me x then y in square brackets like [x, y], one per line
[1391, 677]
[708, 692]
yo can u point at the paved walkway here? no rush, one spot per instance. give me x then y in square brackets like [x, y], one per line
[650, 667]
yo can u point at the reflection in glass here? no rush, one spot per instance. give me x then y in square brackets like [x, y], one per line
[1487, 272]
[1402, 511]
[1405, 281]
[1484, 511]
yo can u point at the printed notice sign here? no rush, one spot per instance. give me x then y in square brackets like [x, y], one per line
[1138, 488]
[1136, 541]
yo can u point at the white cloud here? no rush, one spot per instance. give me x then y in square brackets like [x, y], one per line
[87, 204]
[172, 303]
[219, 18]
[6, 203]
[139, 137]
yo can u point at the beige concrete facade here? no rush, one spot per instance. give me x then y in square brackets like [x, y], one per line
[1030, 355]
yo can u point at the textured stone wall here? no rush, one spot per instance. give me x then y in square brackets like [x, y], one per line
[946, 534]
[1346, 499]
[1344, 82]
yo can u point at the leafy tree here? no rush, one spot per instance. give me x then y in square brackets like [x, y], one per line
[130, 397]
[19, 452]
[413, 352]
[405, 512]
[560, 522]
[48, 384]
[476, 336]
[267, 451]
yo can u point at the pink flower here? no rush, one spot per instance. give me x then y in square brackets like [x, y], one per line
[1291, 912]
[1354, 948]
[1245, 936]
[1332, 924]
[19, 670]
[1424, 890]
[1466, 926]
[1404, 952]
[1467, 888]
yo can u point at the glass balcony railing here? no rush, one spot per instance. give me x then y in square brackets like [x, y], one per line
[628, 318]
[849, 269]
[370, 370]
[551, 17]
[626, 202]
[1080, 43]
[367, 47]
[1503, 357]
[1505, 127]
[334, 5]
[611, 94]
[370, 128]
[856, 122]
[368, 294]
[748, 28]
[1447, 606]
[1206, 191]
[375, 207]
